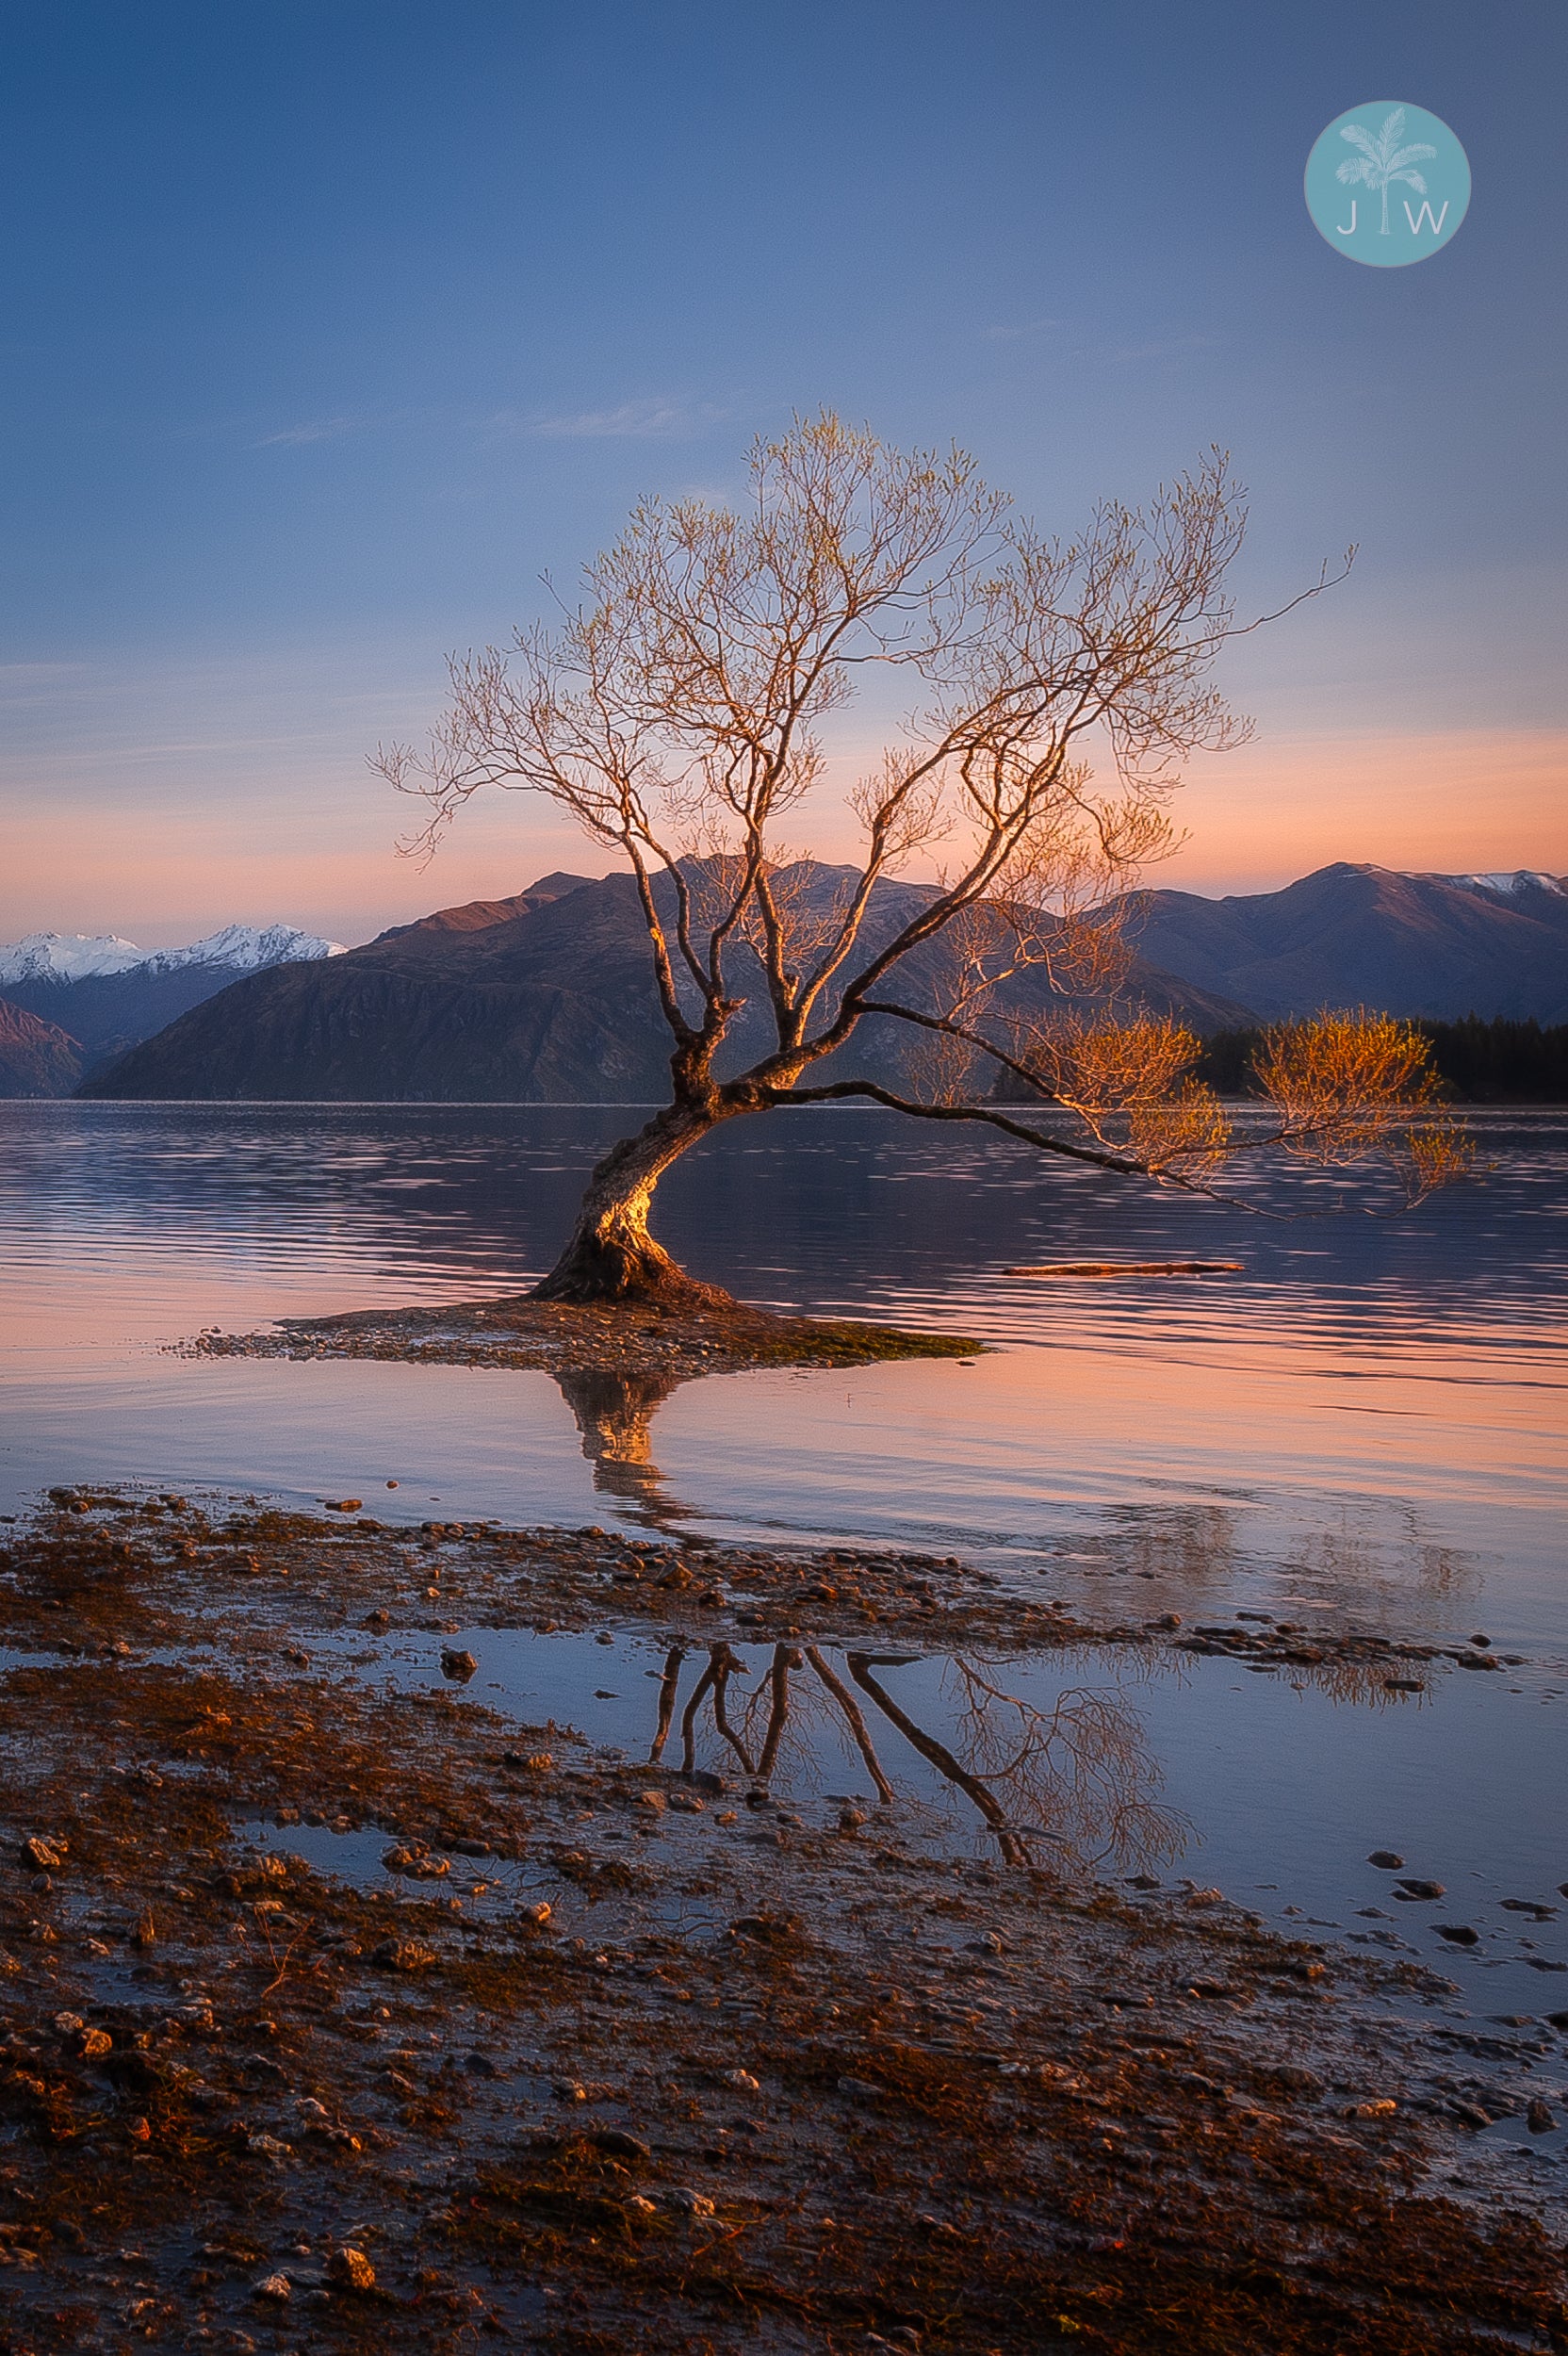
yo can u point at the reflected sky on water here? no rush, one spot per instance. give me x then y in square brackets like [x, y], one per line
[1366, 1424]
[1368, 1415]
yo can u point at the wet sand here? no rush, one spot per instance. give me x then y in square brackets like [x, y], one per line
[596, 2054]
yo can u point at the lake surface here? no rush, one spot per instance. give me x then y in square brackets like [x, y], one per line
[1365, 1425]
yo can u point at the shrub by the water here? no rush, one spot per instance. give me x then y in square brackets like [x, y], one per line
[1481, 1063]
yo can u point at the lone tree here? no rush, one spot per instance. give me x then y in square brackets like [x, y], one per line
[676, 713]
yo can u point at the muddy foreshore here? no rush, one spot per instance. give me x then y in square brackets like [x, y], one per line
[545, 2047]
[643, 1341]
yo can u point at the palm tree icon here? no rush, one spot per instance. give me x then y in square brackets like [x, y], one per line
[1382, 159]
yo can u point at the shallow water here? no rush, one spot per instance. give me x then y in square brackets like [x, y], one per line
[1105, 1765]
[1365, 1423]
[1370, 1413]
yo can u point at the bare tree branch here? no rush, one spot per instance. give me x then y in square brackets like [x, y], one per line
[675, 714]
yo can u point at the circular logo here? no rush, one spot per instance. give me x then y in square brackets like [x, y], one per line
[1387, 184]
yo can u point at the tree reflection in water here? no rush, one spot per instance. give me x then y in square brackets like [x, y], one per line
[614, 1413]
[1075, 1777]
[1190, 1550]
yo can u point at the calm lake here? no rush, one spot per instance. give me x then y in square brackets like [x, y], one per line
[1365, 1425]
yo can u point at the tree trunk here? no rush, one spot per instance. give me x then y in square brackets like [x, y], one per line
[610, 1255]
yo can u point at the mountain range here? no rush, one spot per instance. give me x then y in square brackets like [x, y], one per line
[98, 995]
[548, 995]
[544, 997]
[1438, 947]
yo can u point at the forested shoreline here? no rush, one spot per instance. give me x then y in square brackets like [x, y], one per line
[1480, 1062]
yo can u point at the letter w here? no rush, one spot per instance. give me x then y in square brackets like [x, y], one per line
[1416, 220]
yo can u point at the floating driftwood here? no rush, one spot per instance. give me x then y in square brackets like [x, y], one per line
[1127, 1267]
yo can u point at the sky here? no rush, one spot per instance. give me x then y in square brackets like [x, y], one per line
[327, 327]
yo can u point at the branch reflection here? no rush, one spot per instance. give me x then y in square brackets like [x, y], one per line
[1072, 1779]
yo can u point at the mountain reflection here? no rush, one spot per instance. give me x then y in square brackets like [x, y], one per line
[1072, 1782]
[1192, 1549]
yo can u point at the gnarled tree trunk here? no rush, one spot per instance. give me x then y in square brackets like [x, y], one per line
[610, 1255]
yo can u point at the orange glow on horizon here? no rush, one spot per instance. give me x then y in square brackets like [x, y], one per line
[319, 851]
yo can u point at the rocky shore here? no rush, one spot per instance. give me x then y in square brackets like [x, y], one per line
[339, 2015]
[626, 1339]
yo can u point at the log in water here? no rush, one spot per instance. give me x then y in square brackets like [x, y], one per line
[1127, 1267]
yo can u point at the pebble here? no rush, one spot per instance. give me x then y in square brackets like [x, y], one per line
[1387, 1860]
[1538, 2119]
[405, 1954]
[44, 1856]
[349, 2269]
[1380, 2107]
[619, 2145]
[417, 1863]
[1458, 1934]
[744, 2078]
[693, 2203]
[275, 2287]
[538, 1914]
[460, 1666]
[1419, 1890]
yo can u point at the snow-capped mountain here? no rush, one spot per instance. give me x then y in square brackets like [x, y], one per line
[66, 956]
[83, 956]
[107, 994]
[1511, 886]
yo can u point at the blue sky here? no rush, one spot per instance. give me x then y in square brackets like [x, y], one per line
[327, 328]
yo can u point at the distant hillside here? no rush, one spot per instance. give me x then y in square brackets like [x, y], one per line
[547, 997]
[36, 1059]
[1440, 947]
[109, 994]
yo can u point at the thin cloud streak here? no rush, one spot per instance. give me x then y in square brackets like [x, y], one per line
[632, 420]
[314, 429]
